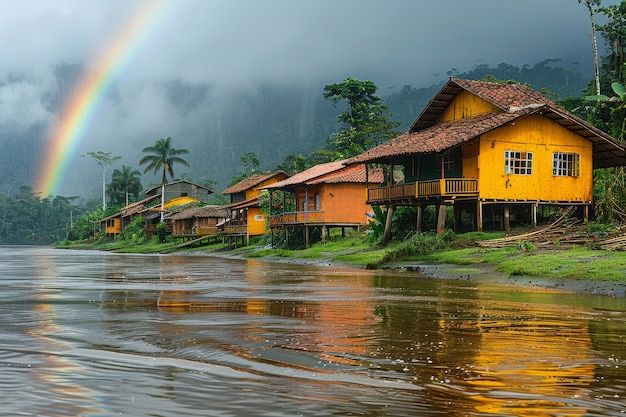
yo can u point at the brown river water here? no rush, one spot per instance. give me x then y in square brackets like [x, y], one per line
[87, 333]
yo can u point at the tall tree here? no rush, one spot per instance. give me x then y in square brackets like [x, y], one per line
[249, 165]
[366, 120]
[614, 31]
[127, 181]
[163, 157]
[592, 7]
[105, 160]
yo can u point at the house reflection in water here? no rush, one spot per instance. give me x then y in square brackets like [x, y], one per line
[524, 364]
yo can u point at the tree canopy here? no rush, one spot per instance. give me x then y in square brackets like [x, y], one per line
[366, 121]
[124, 182]
[163, 156]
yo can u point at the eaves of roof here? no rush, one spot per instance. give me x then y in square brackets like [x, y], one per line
[607, 152]
[435, 139]
[309, 175]
[158, 187]
[351, 174]
[201, 212]
[251, 182]
[251, 202]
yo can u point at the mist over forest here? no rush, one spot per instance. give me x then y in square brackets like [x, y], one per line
[218, 127]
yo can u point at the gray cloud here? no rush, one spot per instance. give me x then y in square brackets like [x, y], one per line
[177, 84]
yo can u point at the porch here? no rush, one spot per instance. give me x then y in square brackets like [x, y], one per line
[194, 232]
[297, 218]
[423, 190]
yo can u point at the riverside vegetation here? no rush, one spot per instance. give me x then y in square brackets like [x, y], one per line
[357, 249]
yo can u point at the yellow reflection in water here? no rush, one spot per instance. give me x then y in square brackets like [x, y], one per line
[530, 364]
[60, 370]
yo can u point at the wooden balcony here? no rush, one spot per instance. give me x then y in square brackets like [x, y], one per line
[297, 217]
[236, 229]
[446, 187]
[198, 231]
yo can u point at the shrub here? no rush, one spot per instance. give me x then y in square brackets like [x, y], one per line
[420, 244]
[134, 231]
[161, 232]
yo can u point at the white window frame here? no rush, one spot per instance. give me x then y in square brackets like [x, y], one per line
[565, 164]
[518, 162]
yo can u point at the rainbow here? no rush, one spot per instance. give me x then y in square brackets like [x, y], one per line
[79, 111]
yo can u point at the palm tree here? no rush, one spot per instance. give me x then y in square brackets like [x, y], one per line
[163, 156]
[127, 180]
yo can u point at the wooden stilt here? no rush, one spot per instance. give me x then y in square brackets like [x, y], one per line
[420, 219]
[387, 233]
[306, 236]
[479, 216]
[506, 217]
[533, 214]
[441, 219]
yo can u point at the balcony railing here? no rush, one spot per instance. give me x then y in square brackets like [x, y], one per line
[198, 231]
[236, 229]
[448, 187]
[297, 217]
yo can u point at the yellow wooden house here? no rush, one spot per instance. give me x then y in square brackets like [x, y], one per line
[246, 218]
[498, 153]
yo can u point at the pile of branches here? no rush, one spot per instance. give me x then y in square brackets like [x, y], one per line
[563, 233]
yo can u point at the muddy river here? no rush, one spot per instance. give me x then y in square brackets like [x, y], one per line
[87, 333]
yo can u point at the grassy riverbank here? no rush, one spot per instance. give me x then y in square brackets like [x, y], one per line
[577, 263]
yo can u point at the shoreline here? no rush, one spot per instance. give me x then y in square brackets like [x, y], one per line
[481, 272]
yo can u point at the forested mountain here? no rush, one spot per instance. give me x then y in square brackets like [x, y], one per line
[271, 121]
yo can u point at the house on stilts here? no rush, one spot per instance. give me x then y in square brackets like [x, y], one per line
[246, 217]
[326, 196]
[498, 153]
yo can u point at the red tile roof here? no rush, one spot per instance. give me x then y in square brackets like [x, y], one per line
[514, 101]
[506, 97]
[251, 182]
[330, 172]
[309, 174]
[352, 174]
[436, 139]
[205, 211]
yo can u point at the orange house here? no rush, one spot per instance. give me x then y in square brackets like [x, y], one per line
[246, 218]
[496, 153]
[326, 196]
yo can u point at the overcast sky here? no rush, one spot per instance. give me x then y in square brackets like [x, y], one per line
[237, 43]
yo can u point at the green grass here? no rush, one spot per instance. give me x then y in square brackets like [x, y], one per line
[577, 263]
[470, 256]
[151, 246]
[350, 250]
[263, 253]
[370, 259]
